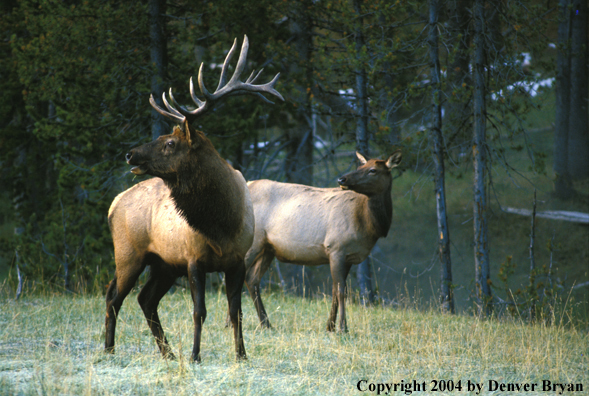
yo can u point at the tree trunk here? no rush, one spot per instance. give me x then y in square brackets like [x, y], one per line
[159, 60]
[299, 156]
[298, 162]
[458, 108]
[364, 274]
[361, 87]
[532, 277]
[447, 299]
[578, 162]
[562, 182]
[386, 101]
[481, 239]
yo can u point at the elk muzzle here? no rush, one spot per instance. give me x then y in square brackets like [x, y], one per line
[131, 158]
[343, 183]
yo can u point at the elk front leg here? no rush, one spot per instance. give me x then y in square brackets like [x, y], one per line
[339, 273]
[234, 283]
[197, 280]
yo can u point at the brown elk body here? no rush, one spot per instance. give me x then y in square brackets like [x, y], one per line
[312, 226]
[194, 217]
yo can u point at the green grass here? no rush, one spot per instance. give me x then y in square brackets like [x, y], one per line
[53, 344]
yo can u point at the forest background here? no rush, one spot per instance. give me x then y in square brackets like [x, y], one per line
[435, 80]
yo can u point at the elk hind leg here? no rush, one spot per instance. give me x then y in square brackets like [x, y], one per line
[253, 277]
[155, 288]
[118, 289]
[334, 308]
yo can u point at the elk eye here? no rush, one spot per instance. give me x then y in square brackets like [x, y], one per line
[170, 144]
[372, 171]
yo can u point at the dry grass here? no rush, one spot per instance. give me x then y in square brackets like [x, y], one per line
[53, 345]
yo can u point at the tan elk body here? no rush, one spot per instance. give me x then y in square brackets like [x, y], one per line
[194, 217]
[144, 220]
[305, 225]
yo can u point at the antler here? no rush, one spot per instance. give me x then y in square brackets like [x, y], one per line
[233, 87]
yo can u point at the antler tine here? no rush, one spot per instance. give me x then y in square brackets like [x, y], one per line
[171, 108]
[269, 87]
[183, 110]
[174, 103]
[223, 78]
[251, 80]
[195, 98]
[179, 119]
[201, 84]
[240, 62]
[189, 114]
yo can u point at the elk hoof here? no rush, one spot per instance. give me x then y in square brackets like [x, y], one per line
[266, 325]
[241, 358]
[196, 359]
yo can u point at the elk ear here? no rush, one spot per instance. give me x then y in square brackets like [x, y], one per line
[394, 160]
[361, 158]
[187, 133]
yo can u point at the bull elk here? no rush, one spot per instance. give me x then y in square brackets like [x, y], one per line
[311, 226]
[194, 217]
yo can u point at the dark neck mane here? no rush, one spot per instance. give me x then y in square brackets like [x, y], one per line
[206, 195]
[380, 208]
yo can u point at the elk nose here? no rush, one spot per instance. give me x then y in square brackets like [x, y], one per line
[128, 156]
[341, 180]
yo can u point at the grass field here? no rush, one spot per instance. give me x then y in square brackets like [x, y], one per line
[52, 345]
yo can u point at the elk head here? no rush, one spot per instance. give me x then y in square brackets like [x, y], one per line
[170, 154]
[164, 156]
[372, 177]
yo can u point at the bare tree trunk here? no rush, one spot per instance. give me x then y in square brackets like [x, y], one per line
[361, 87]
[386, 102]
[458, 109]
[19, 276]
[481, 238]
[157, 10]
[364, 274]
[562, 183]
[299, 152]
[299, 157]
[447, 299]
[532, 277]
[578, 161]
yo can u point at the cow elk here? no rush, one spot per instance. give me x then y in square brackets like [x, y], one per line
[194, 217]
[311, 226]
